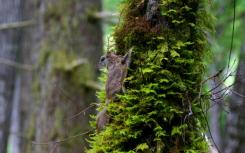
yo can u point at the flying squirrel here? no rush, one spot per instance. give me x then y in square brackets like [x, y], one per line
[117, 66]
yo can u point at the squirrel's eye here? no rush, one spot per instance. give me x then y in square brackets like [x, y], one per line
[102, 59]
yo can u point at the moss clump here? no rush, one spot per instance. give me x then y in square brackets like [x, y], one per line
[160, 111]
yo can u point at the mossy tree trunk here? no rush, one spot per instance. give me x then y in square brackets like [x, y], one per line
[31, 42]
[66, 44]
[71, 47]
[161, 108]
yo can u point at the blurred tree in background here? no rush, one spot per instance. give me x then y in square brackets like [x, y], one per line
[221, 127]
[58, 44]
[65, 82]
[9, 48]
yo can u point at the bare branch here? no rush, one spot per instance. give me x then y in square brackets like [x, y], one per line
[103, 15]
[16, 65]
[107, 17]
[14, 25]
[62, 140]
[82, 111]
[236, 93]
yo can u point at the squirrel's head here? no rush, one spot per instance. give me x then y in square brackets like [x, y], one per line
[111, 59]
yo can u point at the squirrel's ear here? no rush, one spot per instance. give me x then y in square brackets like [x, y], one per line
[108, 53]
[126, 59]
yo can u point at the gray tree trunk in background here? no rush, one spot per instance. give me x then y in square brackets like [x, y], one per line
[57, 90]
[10, 13]
[14, 136]
[236, 118]
[215, 112]
[31, 41]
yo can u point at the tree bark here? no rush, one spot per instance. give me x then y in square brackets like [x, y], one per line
[9, 40]
[14, 137]
[236, 118]
[216, 104]
[48, 97]
[31, 40]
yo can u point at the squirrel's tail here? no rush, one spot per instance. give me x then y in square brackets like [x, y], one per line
[102, 120]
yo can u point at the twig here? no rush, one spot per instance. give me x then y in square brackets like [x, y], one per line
[204, 115]
[226, 88]
[238, 94]
[103, 15]
[208, 127]
[63, 140]
[83, 111]
[16, 65]
[55, 147]
[233, 31]
[14, 25]
[220, 83]
[214, 76]
[108, 17]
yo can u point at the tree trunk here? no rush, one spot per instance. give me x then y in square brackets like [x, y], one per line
[215, 111]
[31, 41]
[236, 118]
[80, 39]
[63, 46]
[161, 110]
[10, 12]
[14, 137]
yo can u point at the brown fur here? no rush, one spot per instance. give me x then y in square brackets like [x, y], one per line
[117, 66]
[102, 119]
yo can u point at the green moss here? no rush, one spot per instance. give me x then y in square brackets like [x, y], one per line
[163, 81]
[55, 11]
[59, 116]
[43, 57]
[36, 85]
[31, 129]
